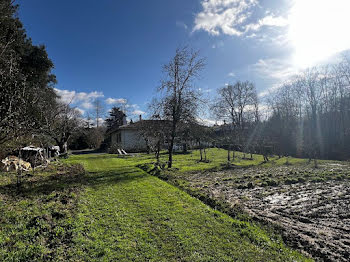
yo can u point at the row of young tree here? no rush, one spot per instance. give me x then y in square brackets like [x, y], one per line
[180, 105]
[308, 116]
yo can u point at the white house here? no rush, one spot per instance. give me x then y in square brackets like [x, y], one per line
[128, 137]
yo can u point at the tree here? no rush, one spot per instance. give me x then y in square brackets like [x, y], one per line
[95, 137]
[310, 114]
[62, 121]
[98, 111]
[154, 131]
[237, 104]
[201, 135]
[25, 79]
[180, 99]
[115, 119]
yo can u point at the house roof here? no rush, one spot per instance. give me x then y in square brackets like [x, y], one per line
[137, 125]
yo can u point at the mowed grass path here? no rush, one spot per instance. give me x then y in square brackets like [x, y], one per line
[127, 215]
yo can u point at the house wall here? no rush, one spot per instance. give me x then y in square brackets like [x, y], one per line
[131, 140]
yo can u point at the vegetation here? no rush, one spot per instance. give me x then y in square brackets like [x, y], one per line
[129, 215]
[118, 212]
[180, 101]
[216, 160]
[25, 80]
[36, 224]
[310, 113]
[280, 192]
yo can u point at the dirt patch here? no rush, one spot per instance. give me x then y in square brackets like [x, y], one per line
[311, 206]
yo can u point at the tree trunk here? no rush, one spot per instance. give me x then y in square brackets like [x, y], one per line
[184, 148]
[158, 152]
[63, 146]
[171, 146]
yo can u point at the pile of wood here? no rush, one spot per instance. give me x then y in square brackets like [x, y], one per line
[13, 163]
[29, 157]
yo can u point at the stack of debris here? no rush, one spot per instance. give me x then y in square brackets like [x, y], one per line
[29, 157]
[13, 163]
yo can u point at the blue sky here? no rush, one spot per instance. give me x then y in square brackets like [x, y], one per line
[113, 50]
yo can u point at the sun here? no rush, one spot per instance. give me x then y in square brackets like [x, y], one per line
[318, 29]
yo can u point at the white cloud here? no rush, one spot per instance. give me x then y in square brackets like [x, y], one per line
[268, 91]
[224, 16]
[231, 74]
[252, 35]
[72, 97]
[233, 17]
[207, 90]
[276, 71]
[65, 96]
[267, 21]
[81, 111]
[207, 121]
[138, 112]
[83, 102]
[101, 121]
[111, 101]
[273, 68]
[87, 105]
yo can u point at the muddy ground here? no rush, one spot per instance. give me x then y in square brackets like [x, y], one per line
[310, 205]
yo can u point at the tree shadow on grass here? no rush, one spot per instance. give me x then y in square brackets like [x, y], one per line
[38, 185]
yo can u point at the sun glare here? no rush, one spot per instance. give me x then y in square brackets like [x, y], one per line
[318, 30]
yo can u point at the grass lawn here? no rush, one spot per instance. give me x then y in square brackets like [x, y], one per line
[36, 223]
[217, 159]
[127, 215]
[117, 212]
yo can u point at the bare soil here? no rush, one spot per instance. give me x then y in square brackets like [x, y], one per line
[311, 206]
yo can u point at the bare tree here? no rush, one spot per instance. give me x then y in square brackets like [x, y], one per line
[237, 104]
[155, 132]
[98, 111]
[310, 113]
[61, 122]
[180, 99]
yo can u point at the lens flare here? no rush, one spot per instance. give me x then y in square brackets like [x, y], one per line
[318, 29]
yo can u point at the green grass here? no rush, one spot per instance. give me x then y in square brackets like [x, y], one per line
[217, 160]
[117, 212]
[36, 222]
[127, 215]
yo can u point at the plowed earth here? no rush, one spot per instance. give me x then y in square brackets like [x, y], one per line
[310, 205]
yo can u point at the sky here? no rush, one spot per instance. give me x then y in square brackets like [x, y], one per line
[113, 50]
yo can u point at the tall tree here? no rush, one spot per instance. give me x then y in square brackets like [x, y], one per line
[237, 104]
[98, 111]
[115, 119]
[180, 99]
[25, 78]
[62, 121]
